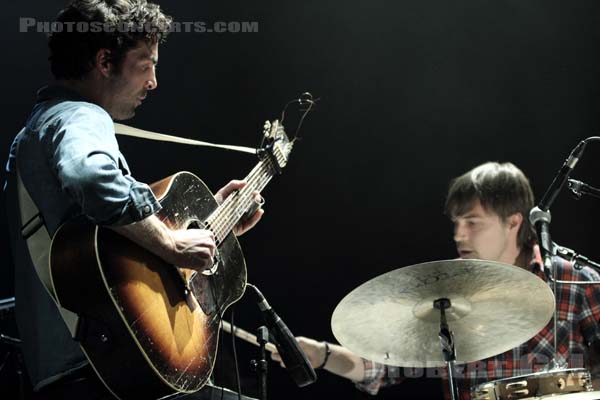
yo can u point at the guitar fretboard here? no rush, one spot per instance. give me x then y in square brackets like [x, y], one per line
[229, 213]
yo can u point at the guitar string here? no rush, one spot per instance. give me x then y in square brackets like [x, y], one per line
[223, 219]
[240, 204]
[214, 221]
[230, 218]
[226, 204]
[217, 221]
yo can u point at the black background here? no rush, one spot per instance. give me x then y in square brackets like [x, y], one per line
[412, 94]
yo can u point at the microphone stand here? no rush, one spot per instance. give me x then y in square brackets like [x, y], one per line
[291, 353]
[540, 218]
[261, 366]
[579, 261]
[580, 188]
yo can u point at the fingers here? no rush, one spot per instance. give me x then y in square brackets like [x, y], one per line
[194, 248]
[245, 226]
[204, 241]
[248, 223]
[226, 190]
[206, 248]
[258, 199]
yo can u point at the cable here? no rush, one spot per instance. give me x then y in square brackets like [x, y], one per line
[221, 363]
[235, 359]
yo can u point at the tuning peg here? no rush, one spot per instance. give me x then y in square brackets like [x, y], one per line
[266, 128]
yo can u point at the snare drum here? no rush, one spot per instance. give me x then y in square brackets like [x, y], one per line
[540, 385]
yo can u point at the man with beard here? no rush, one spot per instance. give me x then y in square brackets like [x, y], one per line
[68, 159]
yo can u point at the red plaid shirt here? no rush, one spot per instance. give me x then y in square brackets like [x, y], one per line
[578, 316]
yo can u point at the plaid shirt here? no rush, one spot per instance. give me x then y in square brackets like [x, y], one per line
[578, 313]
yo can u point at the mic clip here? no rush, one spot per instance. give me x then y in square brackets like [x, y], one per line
[579, 189]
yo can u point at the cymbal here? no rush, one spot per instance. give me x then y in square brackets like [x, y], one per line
[494, 307]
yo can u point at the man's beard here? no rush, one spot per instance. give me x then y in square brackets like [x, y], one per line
[124, 112]
[123, 107]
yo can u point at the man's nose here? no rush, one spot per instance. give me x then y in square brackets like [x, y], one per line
[152, 83]
[459, 233]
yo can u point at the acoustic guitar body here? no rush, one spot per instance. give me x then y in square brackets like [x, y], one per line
[148, 328]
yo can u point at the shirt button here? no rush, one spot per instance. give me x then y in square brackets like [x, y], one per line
[146, 209]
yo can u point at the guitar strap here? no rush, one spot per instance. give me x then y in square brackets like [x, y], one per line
[38, 241]
[125, 130]
[36, 234]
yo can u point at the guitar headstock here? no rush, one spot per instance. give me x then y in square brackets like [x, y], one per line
[276, 144]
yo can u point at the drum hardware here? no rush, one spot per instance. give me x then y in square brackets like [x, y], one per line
[540, 218]
[535, 386]
[447, 342]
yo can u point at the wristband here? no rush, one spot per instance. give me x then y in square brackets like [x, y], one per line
[327, 354]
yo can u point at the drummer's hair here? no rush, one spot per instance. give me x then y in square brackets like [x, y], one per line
[501, 188]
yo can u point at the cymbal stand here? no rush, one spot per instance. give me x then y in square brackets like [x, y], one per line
[447, 342]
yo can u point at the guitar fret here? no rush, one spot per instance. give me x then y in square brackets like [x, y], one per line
[228, 214]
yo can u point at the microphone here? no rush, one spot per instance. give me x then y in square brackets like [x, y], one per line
[292, 355]
[561, 177]
[540, 217]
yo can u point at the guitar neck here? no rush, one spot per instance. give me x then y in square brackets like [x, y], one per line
[246, 336]
[229, 213]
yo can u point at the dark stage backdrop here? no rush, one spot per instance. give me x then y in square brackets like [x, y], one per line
[412, 94]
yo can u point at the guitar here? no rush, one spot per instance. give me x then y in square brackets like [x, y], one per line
[142, 320]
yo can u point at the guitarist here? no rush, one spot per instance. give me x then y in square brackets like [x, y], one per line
[68, 159]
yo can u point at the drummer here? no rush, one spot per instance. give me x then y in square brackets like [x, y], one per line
[489, 206]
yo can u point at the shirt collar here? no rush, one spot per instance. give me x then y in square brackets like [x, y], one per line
[57, 91]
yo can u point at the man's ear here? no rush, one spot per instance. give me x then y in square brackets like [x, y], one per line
[515, 221]
[103, 62]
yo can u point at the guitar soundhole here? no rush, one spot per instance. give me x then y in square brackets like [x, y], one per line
[195, 224]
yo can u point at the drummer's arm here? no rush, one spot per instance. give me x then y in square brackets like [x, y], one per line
[344, 363]
[340, 361]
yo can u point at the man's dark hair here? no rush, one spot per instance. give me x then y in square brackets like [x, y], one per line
[501, 188]
[116, 25]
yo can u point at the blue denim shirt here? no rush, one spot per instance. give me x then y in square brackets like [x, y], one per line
[70, 163]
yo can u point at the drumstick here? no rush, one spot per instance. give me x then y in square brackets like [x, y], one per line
[246, 336]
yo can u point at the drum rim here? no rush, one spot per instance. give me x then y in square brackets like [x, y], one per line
[533, 374]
